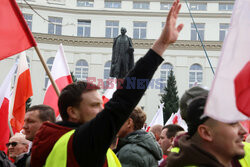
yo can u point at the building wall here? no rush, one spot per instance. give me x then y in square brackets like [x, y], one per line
[97, 49]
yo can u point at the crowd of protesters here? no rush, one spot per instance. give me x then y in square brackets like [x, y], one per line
[92, 136]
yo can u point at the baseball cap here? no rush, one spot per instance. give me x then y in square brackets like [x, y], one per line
[188, 96]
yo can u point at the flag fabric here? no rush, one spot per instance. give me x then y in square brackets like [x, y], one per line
[170, 119]
[14, 32]
[246, 125]
[110, 91]
[22, 91]
[61, 74]
[157, 119]
[177, 119]
[228, 99]
[5, 93]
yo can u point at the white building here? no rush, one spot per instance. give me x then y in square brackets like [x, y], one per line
[86, 28]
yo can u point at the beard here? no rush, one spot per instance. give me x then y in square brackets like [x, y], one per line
[239, 156]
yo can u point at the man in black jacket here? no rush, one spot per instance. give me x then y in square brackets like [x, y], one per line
[81, 109]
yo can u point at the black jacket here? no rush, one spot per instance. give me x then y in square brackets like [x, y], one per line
[92, 139]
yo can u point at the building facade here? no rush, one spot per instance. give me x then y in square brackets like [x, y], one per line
[86, 29]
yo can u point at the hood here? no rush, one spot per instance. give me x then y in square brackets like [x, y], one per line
[44, 141]
[191, 154]
[145, 140]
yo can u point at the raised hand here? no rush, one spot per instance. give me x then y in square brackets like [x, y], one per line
[170, 32]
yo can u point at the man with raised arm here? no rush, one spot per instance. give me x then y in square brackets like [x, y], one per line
[84, 136]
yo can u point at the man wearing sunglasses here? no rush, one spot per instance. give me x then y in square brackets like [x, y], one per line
[17, 145]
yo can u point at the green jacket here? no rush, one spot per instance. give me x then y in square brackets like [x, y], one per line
[139, 149]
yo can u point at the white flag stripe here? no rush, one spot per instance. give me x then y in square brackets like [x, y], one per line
[60, 66]
[7, 84]
[158, 118]
[22, 66]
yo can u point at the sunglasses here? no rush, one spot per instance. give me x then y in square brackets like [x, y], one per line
[13, 144]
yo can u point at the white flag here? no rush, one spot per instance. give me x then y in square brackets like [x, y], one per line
[228, 99]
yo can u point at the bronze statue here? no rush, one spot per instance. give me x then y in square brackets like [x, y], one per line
[122, 55]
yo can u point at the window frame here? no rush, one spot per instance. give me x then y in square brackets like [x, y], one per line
[195, 72]
[201, 31]
[85, 28]
[56, 25]
[112, 28]
[140, 30]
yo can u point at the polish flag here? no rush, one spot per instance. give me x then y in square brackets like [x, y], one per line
[112, 87]
[5, 94]
[22, 91]
[14, 31]
[158, 118]
[61, 74]
[246, 125]
[228, 99]
[177, 119]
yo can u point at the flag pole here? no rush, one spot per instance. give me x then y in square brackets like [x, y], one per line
[11, 131]
[47, 71]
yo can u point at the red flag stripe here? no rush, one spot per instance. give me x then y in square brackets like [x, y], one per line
[4, 130]
[22, 93]
[14, 32]
[51, 97]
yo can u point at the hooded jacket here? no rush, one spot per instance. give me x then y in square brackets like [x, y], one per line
[190, 154]
[139, 149]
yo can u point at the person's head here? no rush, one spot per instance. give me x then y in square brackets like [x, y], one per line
[156, 130]
[188, 96]
[135, 122]
[34, 118]
[167, 136]
[123, 30]
[17, 145]
[79, 102]
[223, 140]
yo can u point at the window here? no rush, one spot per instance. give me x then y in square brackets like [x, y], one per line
[223, 30]
[140, 30]
[226, 6]
[195, 75]
[164, 73]
[28, 19]
[106, 73]
[85, 3]
[55, 25]
[141, 5]
[198, 6]
[49, 64]
[112, 28]
[112, 4]
[83, 28]
[165, 6]
[81, 70]
[200, 28]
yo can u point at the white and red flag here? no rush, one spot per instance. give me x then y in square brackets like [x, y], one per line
[229, 98]
[112, 87]
[177, 119]
[22, 91]
[5, 94]
[61, 74]
[157, 119]
[14, 32]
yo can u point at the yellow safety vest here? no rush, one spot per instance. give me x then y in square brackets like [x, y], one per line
[245, 162]
[58, 155]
